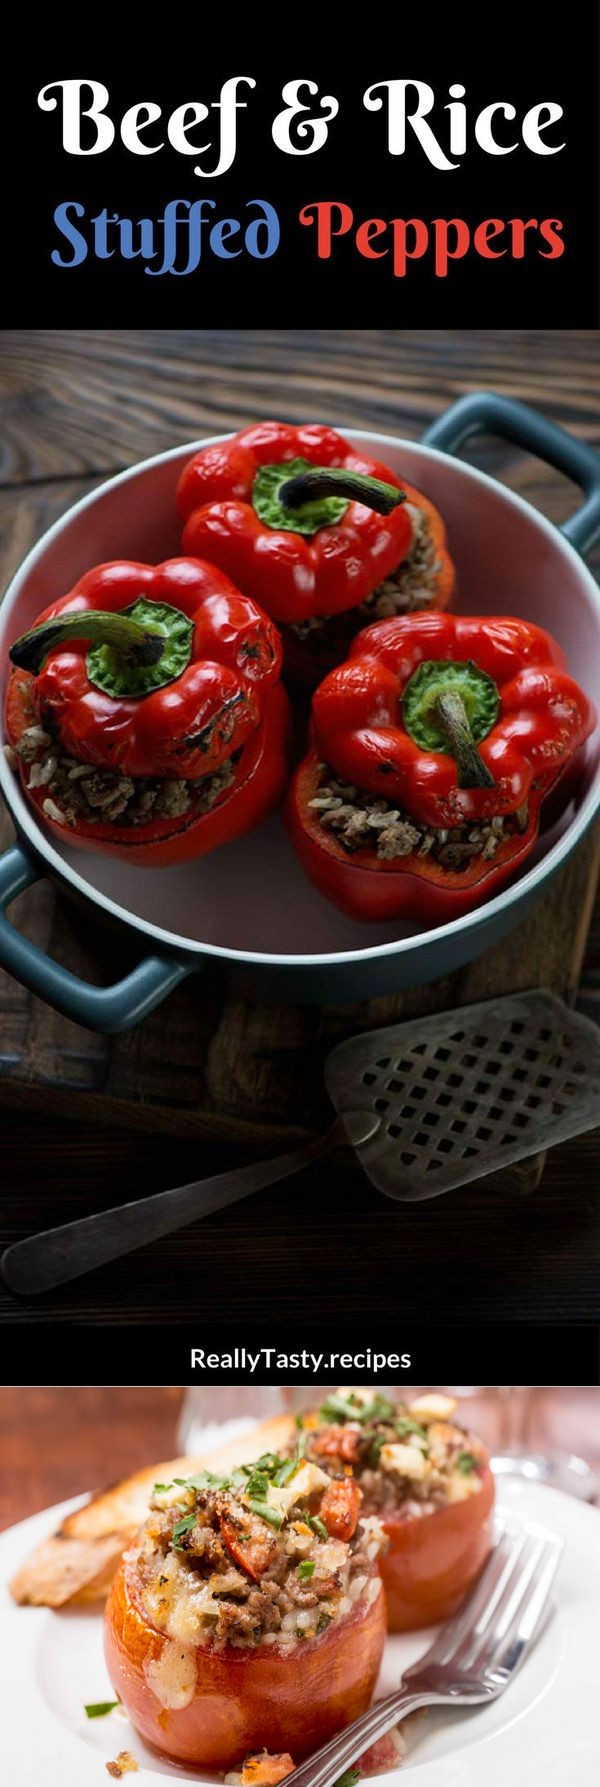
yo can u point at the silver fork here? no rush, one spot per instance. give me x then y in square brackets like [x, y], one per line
[474, 1656]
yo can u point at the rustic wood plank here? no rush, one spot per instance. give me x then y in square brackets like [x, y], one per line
[75, 403]
[326, 1241]
[213, 1064]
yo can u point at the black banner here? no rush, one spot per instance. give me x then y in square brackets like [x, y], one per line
[60, 1353]
[428, 173]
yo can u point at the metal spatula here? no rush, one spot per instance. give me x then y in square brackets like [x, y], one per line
[426, 1105]
[469, 1091]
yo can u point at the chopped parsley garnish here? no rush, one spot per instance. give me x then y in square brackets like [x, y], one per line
[210, 1480]
[317, 1525]
[349, 1778]
[305, 1570]
[375, 1443]
[285, 1471]
[258, 1485]
[271, 1468]
[99, 1708]
[205, 1480]
[465, 1463]
[181, 1529]
[266, 1513]
[348, 1408]
[406, 1425]
[254, 1480]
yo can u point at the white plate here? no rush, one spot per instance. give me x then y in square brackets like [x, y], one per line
[544, 1729]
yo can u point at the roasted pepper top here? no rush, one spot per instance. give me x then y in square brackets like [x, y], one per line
[151, 670]
[283, 511]
[407, 1458]
[452, 717]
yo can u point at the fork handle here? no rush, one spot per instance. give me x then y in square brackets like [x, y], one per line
[323, 1769]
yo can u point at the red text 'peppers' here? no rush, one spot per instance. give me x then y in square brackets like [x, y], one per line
[146, 711]
[307, 526]
[434, 746]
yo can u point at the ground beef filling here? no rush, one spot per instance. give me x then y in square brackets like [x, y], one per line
[407, 590]
[74, 791]
[195, 1591]
[402, 1464]
[386, 1491]
[362, 821]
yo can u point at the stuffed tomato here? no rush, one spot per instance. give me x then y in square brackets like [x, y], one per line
[429, 1483]
[324, 537]
[432, 750]
[249, 1616]
[145, 715]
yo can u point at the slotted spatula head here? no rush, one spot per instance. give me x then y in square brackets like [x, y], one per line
[469, 1091]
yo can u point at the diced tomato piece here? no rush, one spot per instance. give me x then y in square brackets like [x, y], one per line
[383, 1754]
[337, 1442]
[340, 1508]
[251, 1545]
[264, 1770]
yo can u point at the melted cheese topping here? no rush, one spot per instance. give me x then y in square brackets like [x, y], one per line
[172, 1675]
[433, 1408]
[305, 1480]
[408, 1461]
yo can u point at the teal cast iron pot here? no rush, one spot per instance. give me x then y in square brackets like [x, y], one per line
[249, 904]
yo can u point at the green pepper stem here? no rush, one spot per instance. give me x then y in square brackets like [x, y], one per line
[139, 645]
[471, 770]
[324, 480]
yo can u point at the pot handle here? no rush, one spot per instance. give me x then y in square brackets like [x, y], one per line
[483, 412]
[106, 1009]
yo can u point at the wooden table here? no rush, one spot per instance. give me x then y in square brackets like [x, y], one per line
[58, 1443]
[84, 1121]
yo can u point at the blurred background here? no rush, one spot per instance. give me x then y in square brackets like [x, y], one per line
[56, 1443]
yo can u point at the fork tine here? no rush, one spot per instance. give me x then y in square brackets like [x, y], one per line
[484, 1642]
[476, 1632]
[482, 1597]
[531, 1615]
[527, 1618]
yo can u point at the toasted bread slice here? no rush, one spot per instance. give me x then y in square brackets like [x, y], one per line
[77, 1564]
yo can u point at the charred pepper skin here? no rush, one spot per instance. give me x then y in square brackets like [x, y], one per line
[227, 701]
[293, 577]
[358, 730]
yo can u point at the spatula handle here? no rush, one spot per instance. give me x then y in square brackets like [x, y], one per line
[43, 1261]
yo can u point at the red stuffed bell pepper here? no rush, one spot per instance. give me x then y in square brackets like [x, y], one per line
[243, 1620]
[433, 748]
[146, 714]
[426, 1478]
[323, 537]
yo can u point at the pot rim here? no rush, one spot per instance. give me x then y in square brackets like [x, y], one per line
[531, 882]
